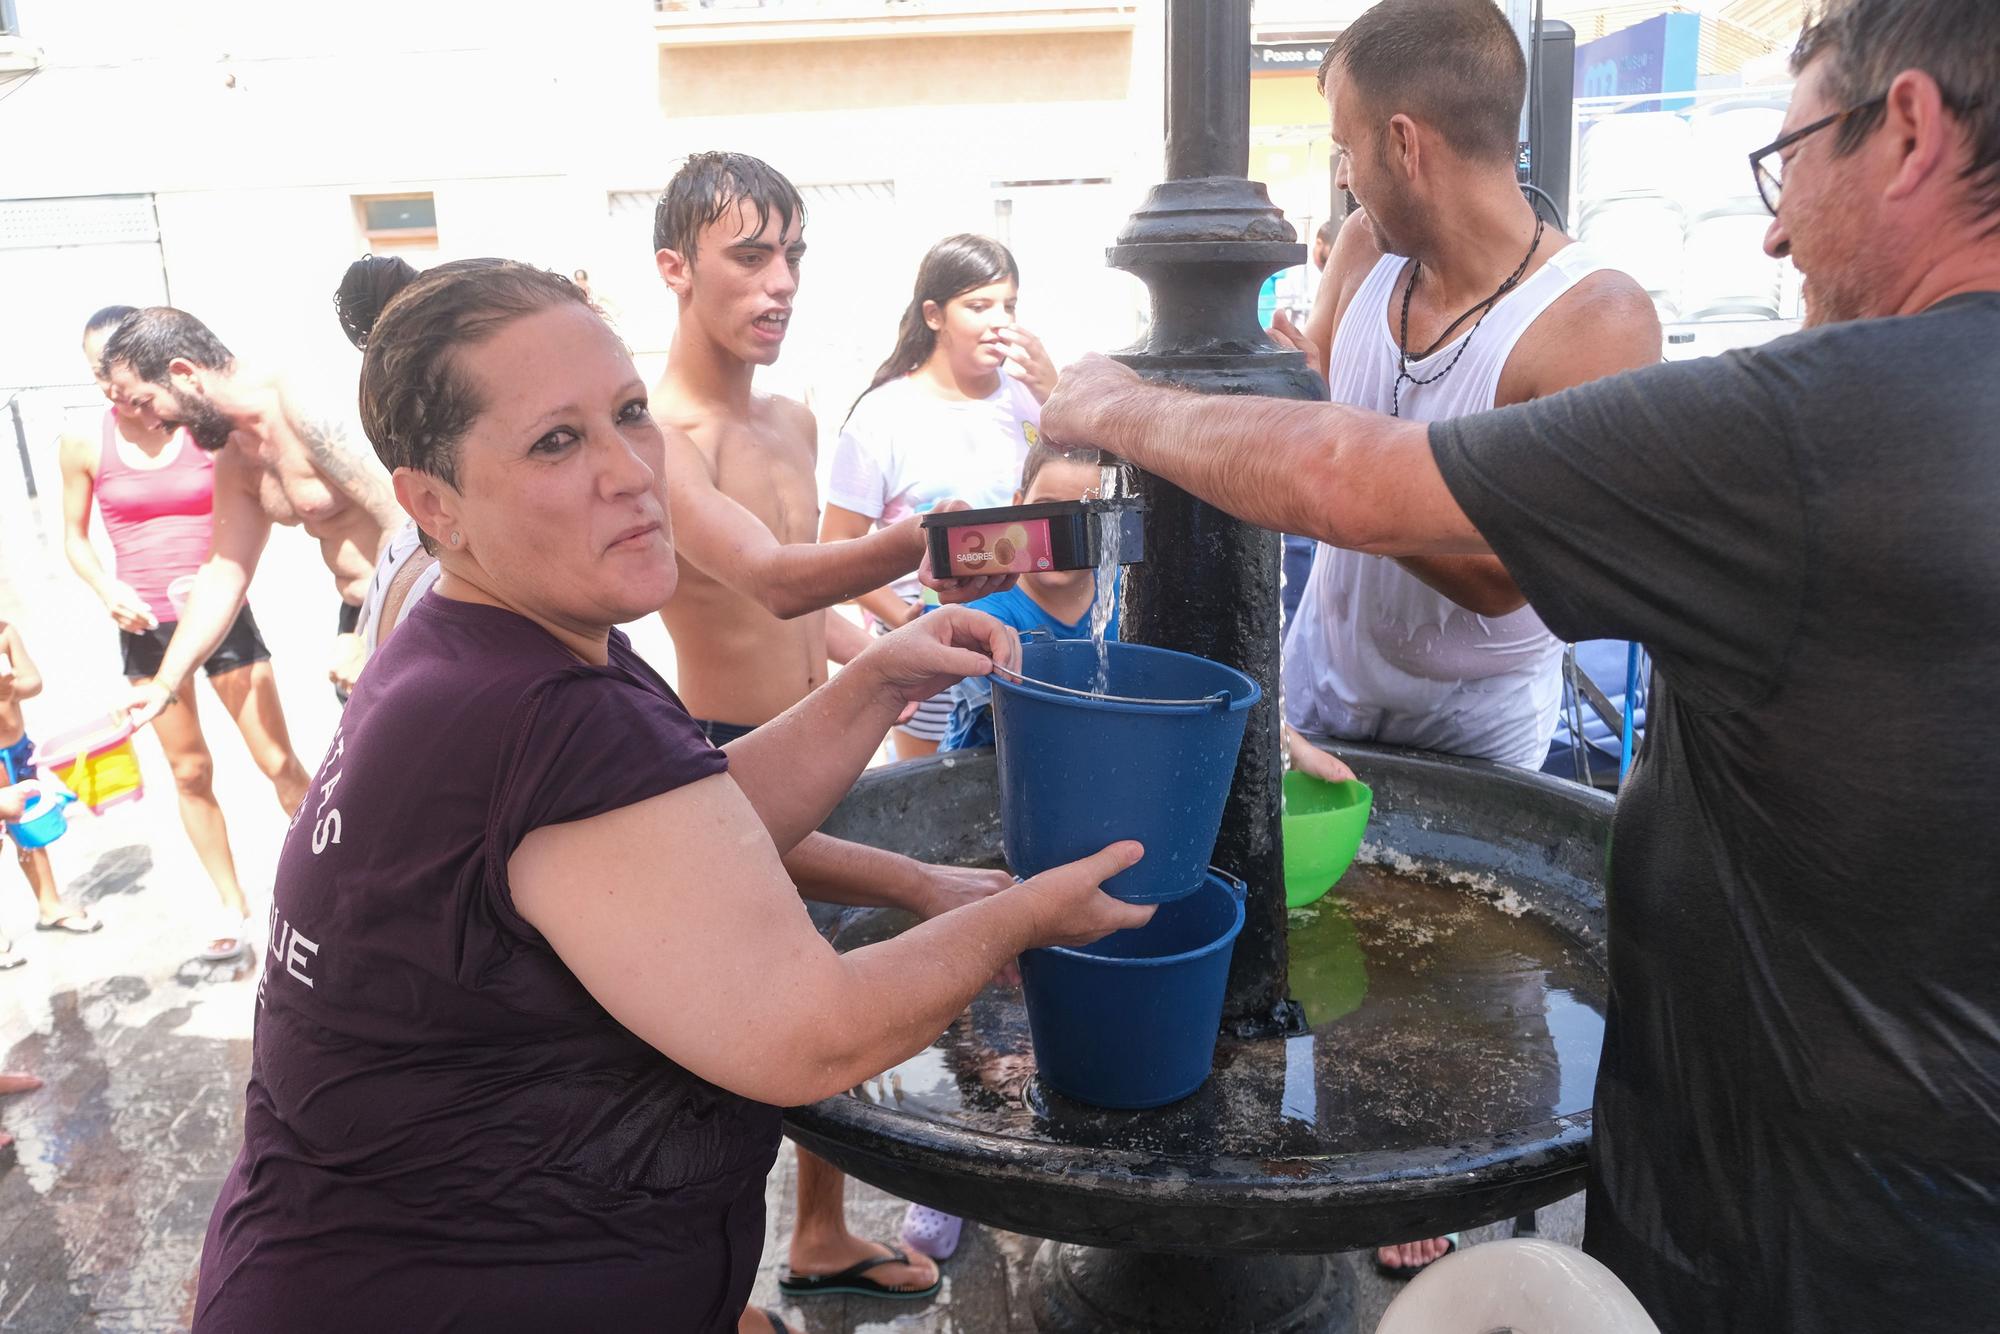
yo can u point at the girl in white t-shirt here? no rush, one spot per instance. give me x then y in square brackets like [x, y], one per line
[951, 415]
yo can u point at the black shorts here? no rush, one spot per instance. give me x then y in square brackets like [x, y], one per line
[239, 648]
[721, 734]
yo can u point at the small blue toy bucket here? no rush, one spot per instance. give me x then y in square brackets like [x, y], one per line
[44, 821]
[1149, 757]
[1131, 1020]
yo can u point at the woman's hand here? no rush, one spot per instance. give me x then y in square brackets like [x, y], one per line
[128, 610]
[937, 651]
[1029, 362]
[943, 888]
[952, 589]
[1073, 909]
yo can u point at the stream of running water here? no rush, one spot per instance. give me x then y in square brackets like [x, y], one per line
[1104, 602]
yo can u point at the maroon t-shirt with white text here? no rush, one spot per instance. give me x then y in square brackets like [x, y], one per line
[443, 1129]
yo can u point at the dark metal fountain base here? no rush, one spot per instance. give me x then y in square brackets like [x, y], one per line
[1085, 1290]
[1372, 1127]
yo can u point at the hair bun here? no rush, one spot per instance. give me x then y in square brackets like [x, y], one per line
[366, 290]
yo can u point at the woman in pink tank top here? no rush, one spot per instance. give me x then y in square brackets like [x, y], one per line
[155, 491]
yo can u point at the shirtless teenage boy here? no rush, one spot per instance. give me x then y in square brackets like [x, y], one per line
[277, 462]
[749, 620]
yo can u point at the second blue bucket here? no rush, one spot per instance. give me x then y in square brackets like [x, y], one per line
[1131, 1020]
[1149, 757]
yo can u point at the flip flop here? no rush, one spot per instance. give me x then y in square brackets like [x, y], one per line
[1404, 1273]
[854, 1281]
[777, 1326]
[68, 924]
[11, 958]
[232, 931]
[931, 1232]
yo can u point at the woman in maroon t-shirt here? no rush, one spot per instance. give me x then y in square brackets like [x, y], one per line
[538, 984]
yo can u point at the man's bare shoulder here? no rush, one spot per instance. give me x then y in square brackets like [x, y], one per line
[1355, 253]
[1603, 325]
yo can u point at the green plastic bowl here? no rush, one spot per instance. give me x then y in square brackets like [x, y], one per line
[1323, 827]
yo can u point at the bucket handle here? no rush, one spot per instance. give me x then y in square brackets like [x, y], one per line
[1219, 700]
[1237, 889]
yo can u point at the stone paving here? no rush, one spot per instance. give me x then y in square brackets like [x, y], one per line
[144, 1050]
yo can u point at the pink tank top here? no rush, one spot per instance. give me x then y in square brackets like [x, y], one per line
[158, 519]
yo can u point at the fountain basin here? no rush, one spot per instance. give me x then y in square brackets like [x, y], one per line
[1356, 1133]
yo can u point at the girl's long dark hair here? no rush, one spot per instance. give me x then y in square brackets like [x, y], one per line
[953, 267]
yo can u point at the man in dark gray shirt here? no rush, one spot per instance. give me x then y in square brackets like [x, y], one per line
[1798, 1108]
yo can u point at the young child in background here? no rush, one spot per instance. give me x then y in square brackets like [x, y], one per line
[1058, 602]
[21, 680]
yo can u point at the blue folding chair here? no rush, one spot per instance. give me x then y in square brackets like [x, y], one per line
[1605, 685]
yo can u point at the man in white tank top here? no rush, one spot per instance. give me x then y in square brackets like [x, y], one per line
[1447, 295]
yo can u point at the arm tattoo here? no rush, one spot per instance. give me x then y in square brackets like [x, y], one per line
[326, 440]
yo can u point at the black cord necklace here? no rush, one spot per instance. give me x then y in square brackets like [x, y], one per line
[1482, 310]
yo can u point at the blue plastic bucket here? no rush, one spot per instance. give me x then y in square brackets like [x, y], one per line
[43, 822]
[1131, 1020]
[1149, 758]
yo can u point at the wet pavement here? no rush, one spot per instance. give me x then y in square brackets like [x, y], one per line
[144, 1050]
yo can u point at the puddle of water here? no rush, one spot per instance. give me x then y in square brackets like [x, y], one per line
[1435, 1018]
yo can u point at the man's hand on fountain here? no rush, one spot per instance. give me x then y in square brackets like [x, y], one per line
[934, 653]
[1073, 909]
[1286, 334]
[1071, 416]
[950, 590]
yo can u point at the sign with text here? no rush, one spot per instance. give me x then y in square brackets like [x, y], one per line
[1657, 56]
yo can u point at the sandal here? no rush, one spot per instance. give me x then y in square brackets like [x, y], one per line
[75, 922]
[931, 1232]
[1404, 1273]
[11, 957]
[854, 1281]
[229, 939]
[777, 1326]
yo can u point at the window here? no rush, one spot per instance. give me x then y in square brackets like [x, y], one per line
[391, 223]
[10, 22]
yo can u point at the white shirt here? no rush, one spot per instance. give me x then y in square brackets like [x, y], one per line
[905, 449]
[1375, 654]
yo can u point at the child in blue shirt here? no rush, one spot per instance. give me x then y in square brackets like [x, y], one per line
[1058, 602]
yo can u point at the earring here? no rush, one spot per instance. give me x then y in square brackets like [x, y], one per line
[454, 538]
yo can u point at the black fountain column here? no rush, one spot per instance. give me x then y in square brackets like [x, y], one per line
[1203, 242]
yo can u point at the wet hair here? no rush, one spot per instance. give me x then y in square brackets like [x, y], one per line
[1041, 456]
[416, 401]
[108, 318]
[709, 185]
[147, 340]
[365, 290]
[954, 266]
[1456, 65]
[1867, 43]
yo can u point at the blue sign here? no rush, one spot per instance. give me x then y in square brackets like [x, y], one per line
[1657, 56]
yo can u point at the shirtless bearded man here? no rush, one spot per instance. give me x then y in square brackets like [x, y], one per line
[749, 620]
[277, 462]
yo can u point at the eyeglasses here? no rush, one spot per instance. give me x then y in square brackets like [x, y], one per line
[1769, 169]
